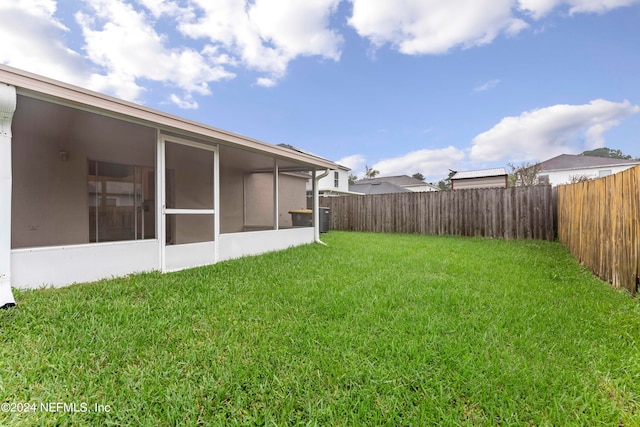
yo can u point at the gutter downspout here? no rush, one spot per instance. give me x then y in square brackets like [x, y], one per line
[8, 100]
[316, 206]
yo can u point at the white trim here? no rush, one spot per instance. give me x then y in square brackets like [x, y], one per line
[161, 221]
[216, 201]
[276, 199]
[8, 99]
[188, 142]
[316, 204]
[190, 211]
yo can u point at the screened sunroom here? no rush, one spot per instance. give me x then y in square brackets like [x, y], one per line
[97, 187]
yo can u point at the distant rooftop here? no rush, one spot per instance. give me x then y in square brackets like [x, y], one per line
[482, 173]
[401, 180]
[572, 161]
[381, 187]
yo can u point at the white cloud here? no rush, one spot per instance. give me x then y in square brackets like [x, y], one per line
[539, 8]
[433, 26]
[124, 43]
[547, 132]
[34, 40]
[487, 86]
[433, 164]
[265, 35]
[354, 162]
[186, 103]
[266, 82]
[416, 27]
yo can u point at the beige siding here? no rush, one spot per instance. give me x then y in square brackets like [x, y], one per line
[485, 182]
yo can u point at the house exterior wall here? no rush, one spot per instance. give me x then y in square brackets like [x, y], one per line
[484, 182]
[328, 182]
[565, 176]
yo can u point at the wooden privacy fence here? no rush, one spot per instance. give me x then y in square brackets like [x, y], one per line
[599, 221]
[520, 212]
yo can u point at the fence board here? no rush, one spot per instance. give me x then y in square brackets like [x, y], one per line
[599, 221]
[520, 212]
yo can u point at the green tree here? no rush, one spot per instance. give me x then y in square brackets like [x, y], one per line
[418, 175]
[445, 184]
[352, 178]
[607, 152]
[523, 174]
[370, 172]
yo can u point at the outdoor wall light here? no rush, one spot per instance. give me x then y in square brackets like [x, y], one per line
[63, 155]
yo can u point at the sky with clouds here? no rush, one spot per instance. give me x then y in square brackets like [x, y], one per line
[402, 86]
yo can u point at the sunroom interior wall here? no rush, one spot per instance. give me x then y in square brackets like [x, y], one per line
[50, 195]
[231, 198]
[258, 201]
[292, 196]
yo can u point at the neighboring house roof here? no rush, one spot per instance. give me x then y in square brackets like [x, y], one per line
[482, 173]
[29, 84]
[401, 180]
[571, 161]
[377, 188]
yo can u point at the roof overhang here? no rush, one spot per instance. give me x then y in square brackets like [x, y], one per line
[340, 193]
[43, 88]
[616, 165]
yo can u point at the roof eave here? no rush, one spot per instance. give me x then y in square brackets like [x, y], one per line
[631, 164]
[40, 87]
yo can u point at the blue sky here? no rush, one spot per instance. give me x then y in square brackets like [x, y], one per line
[401, 86]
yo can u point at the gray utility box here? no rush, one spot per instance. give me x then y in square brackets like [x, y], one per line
[325, 220]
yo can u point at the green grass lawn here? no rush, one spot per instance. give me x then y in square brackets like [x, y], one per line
[372, 329]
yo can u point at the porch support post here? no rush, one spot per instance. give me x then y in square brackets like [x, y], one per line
[314, 206]
[160, 200]
[276, 222]
[8, 100]
[216, 201]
